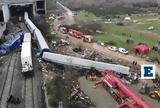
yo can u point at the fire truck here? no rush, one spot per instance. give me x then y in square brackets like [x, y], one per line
[75, 33]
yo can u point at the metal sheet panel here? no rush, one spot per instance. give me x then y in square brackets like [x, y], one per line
[74, 61]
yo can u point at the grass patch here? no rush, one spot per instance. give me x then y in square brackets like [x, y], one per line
[56, 90]
[146, 24]
[84, 15]
[50, 4]
[119, 35]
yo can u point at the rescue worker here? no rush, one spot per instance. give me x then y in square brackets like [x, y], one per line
[86, 75]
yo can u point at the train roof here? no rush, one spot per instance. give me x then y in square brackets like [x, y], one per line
[27, 37]
[26, 49]
[41, 41]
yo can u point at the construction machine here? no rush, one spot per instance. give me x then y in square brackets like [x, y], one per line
[155, 94]
[120, 92]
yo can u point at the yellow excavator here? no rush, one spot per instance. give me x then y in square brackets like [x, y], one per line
[155, 94]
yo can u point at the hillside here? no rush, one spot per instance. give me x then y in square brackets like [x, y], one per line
[113, 6]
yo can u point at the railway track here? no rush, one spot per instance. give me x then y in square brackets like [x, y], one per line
[24, 28]
[3, 70]
[5, 93]
[30, 90]
[27, 89]
[29, 94]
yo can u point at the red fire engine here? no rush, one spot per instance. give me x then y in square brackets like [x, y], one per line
[120, 92]
[75, 33]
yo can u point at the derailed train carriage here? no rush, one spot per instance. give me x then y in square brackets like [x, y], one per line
[43, 47]
[44, 52]
[26, 54]
[11, 44]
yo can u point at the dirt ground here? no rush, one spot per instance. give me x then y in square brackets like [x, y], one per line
[104, 100]
[98, 95]
[104, 50]
[128, 58]
[153, 103]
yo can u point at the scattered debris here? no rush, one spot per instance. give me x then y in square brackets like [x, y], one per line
[88, 38]
[78, 49]
[78, 98]
[14, 100]
[61, 42]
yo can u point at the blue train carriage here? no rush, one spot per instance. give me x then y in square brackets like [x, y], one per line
[11, 44]
[42, 45]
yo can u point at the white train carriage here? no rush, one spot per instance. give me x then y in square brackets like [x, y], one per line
[27, 37]
[30, 25]
[25, 15]
[26, 57]
[43, 47]
[74, 61]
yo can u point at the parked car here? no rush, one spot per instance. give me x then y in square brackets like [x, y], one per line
[123, 50]
[113, 48]
[61, 42]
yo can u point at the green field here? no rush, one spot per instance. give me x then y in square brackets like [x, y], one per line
[50, 5]
[84, 15]
[146, 24]
[119, 35]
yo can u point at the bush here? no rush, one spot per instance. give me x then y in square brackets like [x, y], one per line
[44, 27]
[110, 43]
[120, 24]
